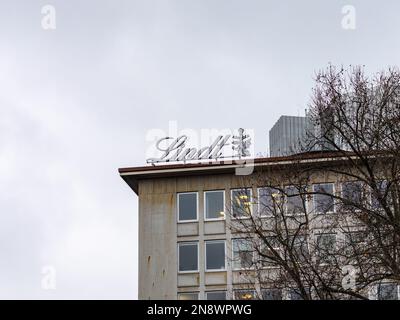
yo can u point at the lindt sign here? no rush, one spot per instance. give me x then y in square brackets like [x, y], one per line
[175, 149]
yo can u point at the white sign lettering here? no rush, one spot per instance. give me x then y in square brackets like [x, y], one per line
[177, 150]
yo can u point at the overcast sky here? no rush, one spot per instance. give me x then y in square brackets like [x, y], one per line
[77, 102]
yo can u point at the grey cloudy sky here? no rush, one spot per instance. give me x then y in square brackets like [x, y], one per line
[76, 104]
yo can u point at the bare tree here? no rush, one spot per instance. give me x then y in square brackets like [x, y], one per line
[305, 236]
[359, 117]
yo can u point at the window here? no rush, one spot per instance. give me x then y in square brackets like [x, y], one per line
[267, 252]
[323, 199]
[269, 201]
[271, 294]
[241, 203]
[382, 193]
[326, 246]
[387, 291]
[216, 295]
[188, 256]
[188, 296]
[243, 253]
[295, 294]
[187, 207]
[244, 295]
[214, 205]
[355, 242]
[300, 247]
[352, 194]
[215, 255]
[294, 201]
[355, 237]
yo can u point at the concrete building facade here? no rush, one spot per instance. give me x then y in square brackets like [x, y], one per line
[186, 242]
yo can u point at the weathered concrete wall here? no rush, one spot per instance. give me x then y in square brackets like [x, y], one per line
[157, 240]
[159, 234]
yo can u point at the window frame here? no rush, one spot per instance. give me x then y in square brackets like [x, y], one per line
[323, 262]
[198, 256]
[286, 213]
[262, 290]
[236, 291]
[205, 255]
[333, 194]
[378, 287]
[343, 184]
[213, 291]
[205, 205]
[348, 234]
[374, 203]
[194, 293]
[251, 204]
[177, 207]
[259, 202]
[234, 268]
[303, 247]
[295, 291]
[348, 242]
[262, 265]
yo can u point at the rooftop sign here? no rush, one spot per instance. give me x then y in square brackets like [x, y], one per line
[177, 150]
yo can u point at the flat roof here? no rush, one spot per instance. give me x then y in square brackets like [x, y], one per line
[132, 175]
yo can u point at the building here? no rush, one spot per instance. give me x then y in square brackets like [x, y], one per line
[289, 135]
[187, 249]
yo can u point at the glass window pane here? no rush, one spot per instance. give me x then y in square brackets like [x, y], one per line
[355, 242]
[245, 295]
[188, 257]
[387, 291]
[381, 191]
[294, 294]
[326, 247]
[216, 295]
[241, 203]
[214, 204]
[300, 247]
[352, 194]
[187, 206]
[323, 202]
[270, 241]
[242, 253]
[355, 237]
[271, 294]
[269, 202]
[215, 255]
[327, 241]
[294, 201]
[188, 296]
